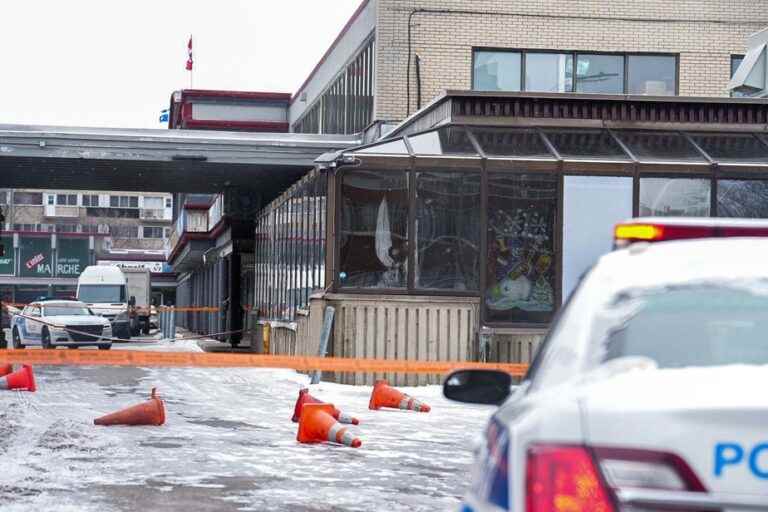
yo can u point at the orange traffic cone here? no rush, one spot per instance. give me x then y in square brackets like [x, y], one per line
[151, 412]
[21, 379]
[306, 398]
[317, 425]
[5, 369]
[384, 395]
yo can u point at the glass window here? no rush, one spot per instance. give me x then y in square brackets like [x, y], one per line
[549, 72]
[655, 75]
[28, 198]
[732, 147]
[515, 142]
[585, 143]
[114, 201]
[742, 198]
[521, 230]
[603, 74]
[735, 63]
[447, 238]
[452, 140]
[3, 197]
[153, 232]
[90, 200]
[496, 71]
[674, 197]
[659, 146]
[592, 206]
[153, 203]
[395, 147]
[374, 229]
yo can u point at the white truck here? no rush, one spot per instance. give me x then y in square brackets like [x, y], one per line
[139, 299]
[104, 290]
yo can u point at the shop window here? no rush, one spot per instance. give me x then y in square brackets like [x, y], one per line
[28, 198]
[497, 71]
[585, 143]
[511, 142]
[592, 206]
[742, 198]
[374, 229]
[447, 235]
[674, 197]
[600, 74]
[520, 280]
[549, 72]
[654, 75]
[732, 147]
[660, 146]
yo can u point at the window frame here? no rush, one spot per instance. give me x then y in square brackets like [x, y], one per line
[575, 55]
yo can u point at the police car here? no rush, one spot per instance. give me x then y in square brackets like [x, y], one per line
[650, 391]
[53, 323]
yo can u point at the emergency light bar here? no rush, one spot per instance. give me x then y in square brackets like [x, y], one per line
[661, 229]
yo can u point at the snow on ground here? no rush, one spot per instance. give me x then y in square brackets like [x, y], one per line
[228, 444]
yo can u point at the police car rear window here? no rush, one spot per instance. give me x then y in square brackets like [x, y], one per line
[691, 326]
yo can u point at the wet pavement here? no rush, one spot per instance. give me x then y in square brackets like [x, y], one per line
[228, 444]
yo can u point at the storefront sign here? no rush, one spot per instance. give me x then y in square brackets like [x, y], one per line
[72, 257]
[156, 267]
[7, 260]
[36, 257]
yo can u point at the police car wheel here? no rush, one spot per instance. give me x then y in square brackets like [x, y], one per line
[46, 339]
[17, 344]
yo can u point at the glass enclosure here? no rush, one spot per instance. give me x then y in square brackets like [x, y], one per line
[512, 216]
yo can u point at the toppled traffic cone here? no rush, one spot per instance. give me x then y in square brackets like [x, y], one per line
[317, 425]
[384, 395]
[306, 398]
[5, 369]
[151, 412]
[23, 379]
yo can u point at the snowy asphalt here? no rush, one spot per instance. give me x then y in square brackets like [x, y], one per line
[228, 444]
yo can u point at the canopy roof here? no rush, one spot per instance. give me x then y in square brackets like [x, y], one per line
[580, 144]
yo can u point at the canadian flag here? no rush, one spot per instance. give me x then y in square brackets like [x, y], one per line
[189, 53]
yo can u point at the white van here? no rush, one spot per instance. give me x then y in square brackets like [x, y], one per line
[103, 288]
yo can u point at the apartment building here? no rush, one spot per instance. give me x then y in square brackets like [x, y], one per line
[49, 236]
[396, 56]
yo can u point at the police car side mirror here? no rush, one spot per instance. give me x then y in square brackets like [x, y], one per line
[490, 387]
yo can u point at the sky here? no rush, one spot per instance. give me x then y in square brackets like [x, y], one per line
[111, 63]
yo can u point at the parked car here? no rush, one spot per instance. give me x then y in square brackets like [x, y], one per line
[647, 394]
[55, 323]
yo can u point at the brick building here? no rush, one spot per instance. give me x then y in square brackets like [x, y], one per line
[395, 56]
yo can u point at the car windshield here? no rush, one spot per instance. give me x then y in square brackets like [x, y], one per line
[690, 326]
[66, 310]
[101, 293]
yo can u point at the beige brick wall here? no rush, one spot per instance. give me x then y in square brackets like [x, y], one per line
[703, 32]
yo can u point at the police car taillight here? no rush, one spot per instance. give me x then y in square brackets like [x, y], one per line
[660, 230]
[578, 478]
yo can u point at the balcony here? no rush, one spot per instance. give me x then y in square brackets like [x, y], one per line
[192, 234]
[159, 214]
[56, 211]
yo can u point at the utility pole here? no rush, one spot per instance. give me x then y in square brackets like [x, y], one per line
[3, 341]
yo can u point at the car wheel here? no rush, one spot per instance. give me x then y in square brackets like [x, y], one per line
[105, 346]
[46, 339]
[145, 328]
[17, 344]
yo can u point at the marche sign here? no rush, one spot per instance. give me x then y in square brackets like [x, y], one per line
[36, 257]
[71, 257]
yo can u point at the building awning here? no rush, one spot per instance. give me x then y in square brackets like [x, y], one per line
[571, 144]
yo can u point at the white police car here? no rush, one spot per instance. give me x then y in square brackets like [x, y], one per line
[52, 323]
[649, 393]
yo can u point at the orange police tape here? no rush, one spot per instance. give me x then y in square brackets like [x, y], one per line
[217, 360]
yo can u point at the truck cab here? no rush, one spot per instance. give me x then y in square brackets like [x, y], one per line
[104, 290]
